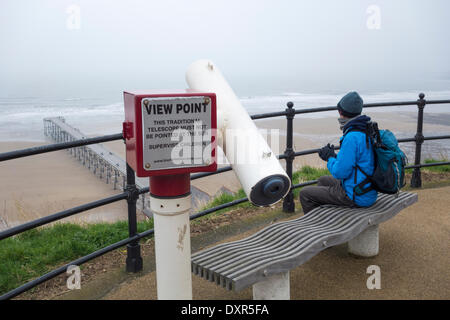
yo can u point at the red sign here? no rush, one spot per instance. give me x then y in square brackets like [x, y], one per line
[170, 132]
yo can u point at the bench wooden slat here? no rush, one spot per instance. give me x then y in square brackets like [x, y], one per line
[283, 246]
[262, 235]
[236, 247]
[291, 233]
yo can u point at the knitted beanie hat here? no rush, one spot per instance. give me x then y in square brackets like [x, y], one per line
[351, 104]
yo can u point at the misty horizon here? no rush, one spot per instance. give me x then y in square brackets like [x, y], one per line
[85, 49]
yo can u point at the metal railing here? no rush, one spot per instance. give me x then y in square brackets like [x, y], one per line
[131, 192]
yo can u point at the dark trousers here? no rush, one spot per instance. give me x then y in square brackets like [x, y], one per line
[327, 191]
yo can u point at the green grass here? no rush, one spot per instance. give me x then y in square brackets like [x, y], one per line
[443, 169]
[307, 173]
[222, 199]
[38, 251]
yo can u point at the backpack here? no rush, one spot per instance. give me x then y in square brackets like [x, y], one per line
[389, 173]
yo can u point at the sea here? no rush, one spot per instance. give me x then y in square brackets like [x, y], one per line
[21, 118]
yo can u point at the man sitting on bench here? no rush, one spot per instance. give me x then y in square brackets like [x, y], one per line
[355, 157]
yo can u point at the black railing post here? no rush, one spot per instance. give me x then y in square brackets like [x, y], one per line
[134, 259]
[416, 180]
[288, 202]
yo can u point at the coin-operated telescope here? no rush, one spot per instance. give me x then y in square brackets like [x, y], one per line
[256, 166]
[171, 134]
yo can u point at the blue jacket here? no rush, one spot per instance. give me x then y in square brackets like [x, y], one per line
[354, 152]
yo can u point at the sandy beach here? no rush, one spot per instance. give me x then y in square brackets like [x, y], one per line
[40, 185]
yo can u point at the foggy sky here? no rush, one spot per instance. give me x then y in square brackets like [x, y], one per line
[262, 47]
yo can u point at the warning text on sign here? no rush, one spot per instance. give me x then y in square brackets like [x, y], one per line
[176, 132]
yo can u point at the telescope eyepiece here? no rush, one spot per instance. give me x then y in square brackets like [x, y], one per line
[270, 190]
[273, 188]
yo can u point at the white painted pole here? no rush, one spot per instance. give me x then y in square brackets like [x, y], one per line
[172, 247]
[260, 173]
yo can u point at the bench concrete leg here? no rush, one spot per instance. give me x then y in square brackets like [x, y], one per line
[366, 243]
[275, 287]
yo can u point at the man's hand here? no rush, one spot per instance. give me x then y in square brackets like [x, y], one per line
[326, 152]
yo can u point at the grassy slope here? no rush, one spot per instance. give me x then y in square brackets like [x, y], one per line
[445, 168]
[38, 251]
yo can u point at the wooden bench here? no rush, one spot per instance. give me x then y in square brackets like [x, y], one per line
[264, 259]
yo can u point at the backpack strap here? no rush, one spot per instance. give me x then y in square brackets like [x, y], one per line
[368, 131]
[359, 189]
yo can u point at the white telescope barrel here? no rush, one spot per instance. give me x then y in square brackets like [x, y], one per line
[259, 171]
